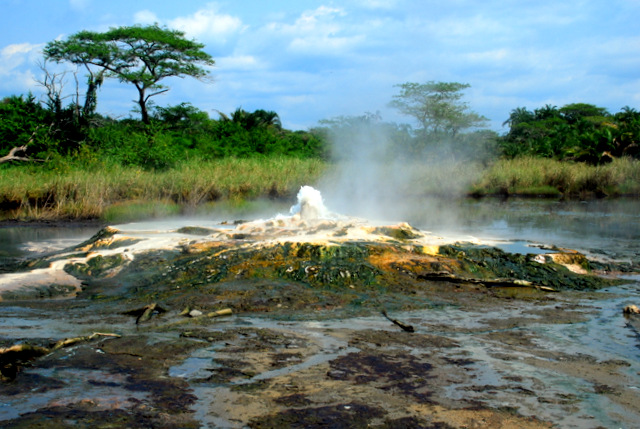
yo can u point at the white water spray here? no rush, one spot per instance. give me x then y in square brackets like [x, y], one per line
[310, 205]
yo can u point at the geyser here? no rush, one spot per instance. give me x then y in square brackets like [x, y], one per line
[310, 205]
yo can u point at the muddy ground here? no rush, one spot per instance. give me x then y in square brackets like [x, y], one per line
[473, 337]
[478, 358]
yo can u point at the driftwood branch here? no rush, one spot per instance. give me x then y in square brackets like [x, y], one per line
[12, 155]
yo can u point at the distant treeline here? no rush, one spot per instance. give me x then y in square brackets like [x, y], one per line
[164, 137]
[36, 132]
[174, 134]
[579, 132]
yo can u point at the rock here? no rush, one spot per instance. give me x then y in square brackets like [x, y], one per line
[195, 313]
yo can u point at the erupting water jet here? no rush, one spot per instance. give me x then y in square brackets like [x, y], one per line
[310, 205]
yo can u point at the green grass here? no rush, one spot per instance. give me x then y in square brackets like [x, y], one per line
[117, 194]
[529, 176]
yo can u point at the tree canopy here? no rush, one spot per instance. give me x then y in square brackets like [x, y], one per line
[139, 55]
[577, 131]
[437, 107]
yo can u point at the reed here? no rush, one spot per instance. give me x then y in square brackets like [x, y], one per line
[116, 193]
[121, 192]
[529, 176]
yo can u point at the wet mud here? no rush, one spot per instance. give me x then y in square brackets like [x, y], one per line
[499, 340]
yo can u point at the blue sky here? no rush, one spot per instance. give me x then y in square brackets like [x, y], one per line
[311, 60]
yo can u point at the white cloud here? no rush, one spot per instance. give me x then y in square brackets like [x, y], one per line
[377, 4]
[315, 44]
[12, 56]
[16, 61]
[208, 24]
[240, 62]
[317, 31]
[79, 4]
[145, 17]
[17, 49]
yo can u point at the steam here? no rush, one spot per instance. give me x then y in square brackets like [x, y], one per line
[377, 177]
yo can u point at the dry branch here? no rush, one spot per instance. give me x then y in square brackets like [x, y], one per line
[11, 156]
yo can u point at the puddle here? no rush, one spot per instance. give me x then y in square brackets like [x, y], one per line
[522, 247]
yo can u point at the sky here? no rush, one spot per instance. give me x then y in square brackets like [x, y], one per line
[311, 60]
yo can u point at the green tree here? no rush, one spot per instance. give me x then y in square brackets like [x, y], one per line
[142, 56]
[627, 141]
[437, 107]
[257, 119]
[183, 116]
[577, 132]
[576, 111]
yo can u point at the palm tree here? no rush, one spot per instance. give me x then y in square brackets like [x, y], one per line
[267, 118]
[249, 121]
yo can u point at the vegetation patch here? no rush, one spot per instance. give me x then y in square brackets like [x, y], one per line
[95, 267]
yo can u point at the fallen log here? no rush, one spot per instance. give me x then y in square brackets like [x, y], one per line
[223, 312]
[71, 341]
[145, 313]
[11, 156]
[403, 326]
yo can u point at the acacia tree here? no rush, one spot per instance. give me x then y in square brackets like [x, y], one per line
[142, 56]
[437, 107]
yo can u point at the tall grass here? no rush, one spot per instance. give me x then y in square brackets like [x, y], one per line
[82, 193]
[116, 193]
[532, 176]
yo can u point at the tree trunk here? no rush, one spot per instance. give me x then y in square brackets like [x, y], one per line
[142, 101]
[91, 99]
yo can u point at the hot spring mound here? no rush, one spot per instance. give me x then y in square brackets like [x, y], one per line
[294, 264]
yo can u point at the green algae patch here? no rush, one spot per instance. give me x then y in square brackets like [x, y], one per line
[195, 230]
[552, 270]
[291, 276]
[398, 232]
[105, 233]
[285, 268]
[286, 278]
[95, 267]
